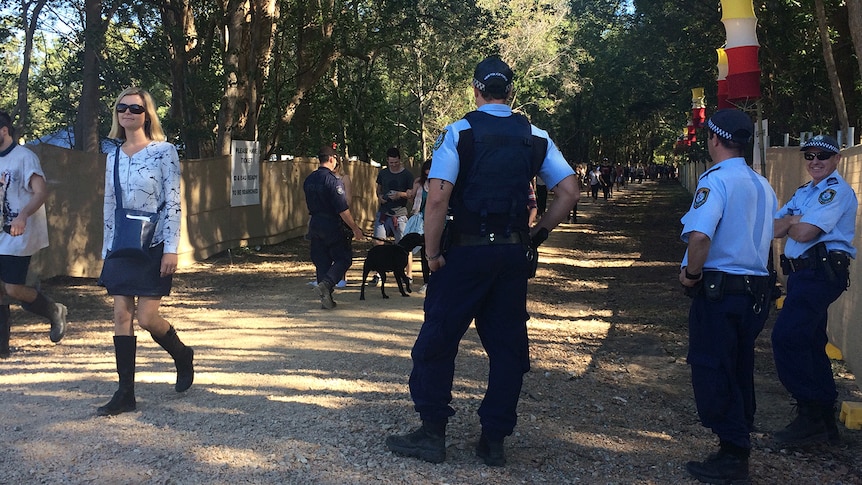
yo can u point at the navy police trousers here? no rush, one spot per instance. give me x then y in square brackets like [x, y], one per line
[721, 356]
[799, 338]
[488, 284]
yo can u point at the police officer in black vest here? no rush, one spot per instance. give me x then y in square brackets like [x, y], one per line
[329, 230]
[482, 167]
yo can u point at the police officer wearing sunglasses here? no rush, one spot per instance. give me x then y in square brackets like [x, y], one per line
[819, 222]
[728, 230]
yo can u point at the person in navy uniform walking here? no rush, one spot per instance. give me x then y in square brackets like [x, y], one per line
[819, 222]
[482, 167]
[728, 230]
[330, 222]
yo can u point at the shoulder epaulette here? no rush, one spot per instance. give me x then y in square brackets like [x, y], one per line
[832, 181]
[708, 172]
[803, 185]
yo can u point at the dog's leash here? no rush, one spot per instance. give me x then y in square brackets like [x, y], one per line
[385, 241]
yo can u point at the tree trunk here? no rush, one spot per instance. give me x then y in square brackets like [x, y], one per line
[831, 69]
[182, 36]
[235, 12]
[246, 65]
[854, 18]
[22, 106]
[87, 122]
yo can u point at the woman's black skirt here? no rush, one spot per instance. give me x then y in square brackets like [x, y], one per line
[129, 276]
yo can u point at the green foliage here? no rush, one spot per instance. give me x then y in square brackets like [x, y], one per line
[605, 77]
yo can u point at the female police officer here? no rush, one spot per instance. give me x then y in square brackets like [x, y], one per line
[819, 222]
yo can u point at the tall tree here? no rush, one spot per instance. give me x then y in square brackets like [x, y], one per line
[29, 23]
[87, 121]
[831, 68]
[249, 31]
[854, 17]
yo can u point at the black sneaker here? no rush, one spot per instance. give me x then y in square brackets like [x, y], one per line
[720, 468]
[491, 452]
[419, 444]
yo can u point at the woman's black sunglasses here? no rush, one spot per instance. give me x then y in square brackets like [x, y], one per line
[134, 108]
[809, 155]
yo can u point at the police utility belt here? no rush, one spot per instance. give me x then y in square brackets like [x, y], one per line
[815, 258]
[716, 284]
[490, 239]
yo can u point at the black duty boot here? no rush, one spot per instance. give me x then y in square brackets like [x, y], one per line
[183, 358]
[124, 399]
[5, 331]
[427, 443]
[808, 427]
[491, 451]
[324, 289]
[54, 312]
[827, 412]
[725, 467]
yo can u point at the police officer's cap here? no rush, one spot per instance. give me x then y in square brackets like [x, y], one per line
[732, 124]
[494, 77]
[325, 151]
[824, 142]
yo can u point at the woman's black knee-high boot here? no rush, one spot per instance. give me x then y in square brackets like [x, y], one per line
[124, 399]
[183, 358]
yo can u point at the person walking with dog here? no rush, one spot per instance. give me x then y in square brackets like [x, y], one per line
[394, 191]
[819, 222]
[728, 232]
[330, 227]
[143, 174]
[482, 167]
[25, 231]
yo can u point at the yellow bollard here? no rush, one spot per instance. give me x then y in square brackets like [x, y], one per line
[834, 352]
[851, 414]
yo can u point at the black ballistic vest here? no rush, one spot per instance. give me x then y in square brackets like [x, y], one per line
[499, 157]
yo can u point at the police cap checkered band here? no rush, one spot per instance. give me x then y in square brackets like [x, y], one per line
[732, 124]
[824, 142]
[493, 76]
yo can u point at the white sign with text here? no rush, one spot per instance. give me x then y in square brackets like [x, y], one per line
[245, 173]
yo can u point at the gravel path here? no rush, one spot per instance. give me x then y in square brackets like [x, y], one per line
[288, 393]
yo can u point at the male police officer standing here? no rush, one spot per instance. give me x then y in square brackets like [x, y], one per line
[819, 222]
[482, 167]
[330, 246]
[728, 230]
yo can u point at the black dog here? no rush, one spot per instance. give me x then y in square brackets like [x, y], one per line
[390, 257]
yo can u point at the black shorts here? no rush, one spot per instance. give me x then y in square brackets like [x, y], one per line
[136, 277]
[13, 269]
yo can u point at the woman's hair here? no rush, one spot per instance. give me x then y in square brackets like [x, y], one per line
[423, 177]
[152, 125]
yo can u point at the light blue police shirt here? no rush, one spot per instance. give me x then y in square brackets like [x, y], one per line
[446, 163]
[733, 206]
[831, 206]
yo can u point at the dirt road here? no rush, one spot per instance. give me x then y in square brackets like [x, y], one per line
[288, 393]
